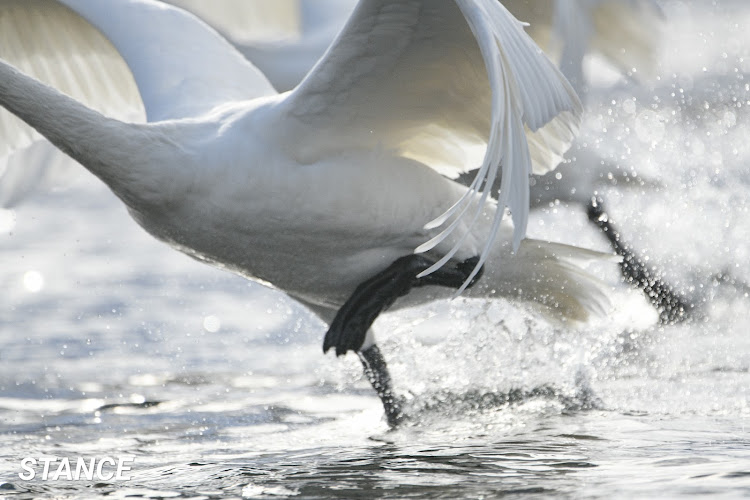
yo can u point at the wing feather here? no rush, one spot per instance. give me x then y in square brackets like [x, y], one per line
[33, 34]
[183, 67]
[453, 84]
[115, 57]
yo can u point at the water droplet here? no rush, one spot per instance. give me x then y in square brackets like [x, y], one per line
[729, 119]
[649, 127]
[629, 106]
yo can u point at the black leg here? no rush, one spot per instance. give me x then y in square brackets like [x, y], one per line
[672, 307]
[349, 328]
[376, 371]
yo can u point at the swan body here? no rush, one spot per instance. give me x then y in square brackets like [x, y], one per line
[314, 190]
[329, 189]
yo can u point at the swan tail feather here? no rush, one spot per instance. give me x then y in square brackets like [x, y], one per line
[553, 278]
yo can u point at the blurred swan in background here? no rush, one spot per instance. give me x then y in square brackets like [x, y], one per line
[624, 33]
[325, 192]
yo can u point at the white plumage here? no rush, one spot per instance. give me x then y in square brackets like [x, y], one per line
[315, 190]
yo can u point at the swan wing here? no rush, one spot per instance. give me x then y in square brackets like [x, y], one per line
[44, 39]
[454, 84]
[115, 57]
[89, 49]
[182, 67]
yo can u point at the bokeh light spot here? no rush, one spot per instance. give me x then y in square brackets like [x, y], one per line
[33, 281]
[211, 324]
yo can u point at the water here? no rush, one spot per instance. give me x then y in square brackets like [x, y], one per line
[112, 344]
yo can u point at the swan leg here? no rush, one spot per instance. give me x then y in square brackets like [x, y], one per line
[376, 371]
[351, 323]
[349, 328]
[672, 307]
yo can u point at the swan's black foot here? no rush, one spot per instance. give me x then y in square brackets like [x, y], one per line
[376, 371]
[349, 328]
[672, 307]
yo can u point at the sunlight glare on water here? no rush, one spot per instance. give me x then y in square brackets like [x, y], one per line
[33, 281]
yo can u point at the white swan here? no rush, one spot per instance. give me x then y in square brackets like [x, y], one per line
[317, 190]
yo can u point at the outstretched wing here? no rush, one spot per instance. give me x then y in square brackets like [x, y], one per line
[115, 56]
[182, 66]
[450, 83]
[44, 39]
